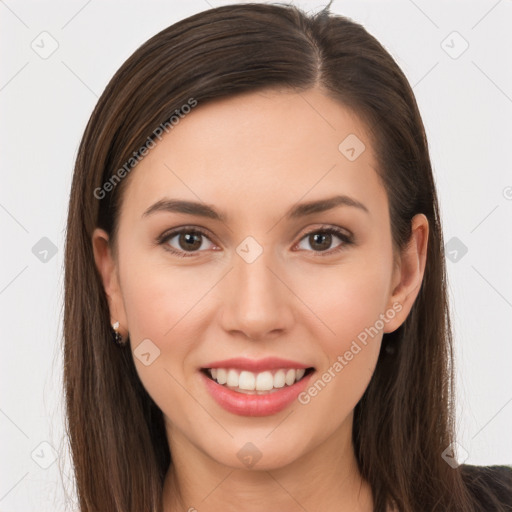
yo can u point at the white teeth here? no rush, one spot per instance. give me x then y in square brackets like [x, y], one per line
[222, 376]
[264, 381]
[290, 377]
[250, 381]
[279, 379]
[232, 378]
[246, 380]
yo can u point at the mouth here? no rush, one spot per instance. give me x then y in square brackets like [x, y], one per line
[256, 383]
[255, 387]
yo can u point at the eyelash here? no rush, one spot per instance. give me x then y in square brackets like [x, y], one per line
[165, 237]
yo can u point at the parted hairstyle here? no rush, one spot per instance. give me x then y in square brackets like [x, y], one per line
[405, 419]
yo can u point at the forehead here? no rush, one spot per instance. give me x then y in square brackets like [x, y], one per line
[251, 153]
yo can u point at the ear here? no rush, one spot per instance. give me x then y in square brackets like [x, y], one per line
[408, 274]
[110, 277]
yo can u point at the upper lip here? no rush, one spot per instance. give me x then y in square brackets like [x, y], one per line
[256, 365]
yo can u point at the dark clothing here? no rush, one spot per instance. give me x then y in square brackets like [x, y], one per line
[491, 486]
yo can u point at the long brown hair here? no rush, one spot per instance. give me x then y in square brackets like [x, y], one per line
[405, 419]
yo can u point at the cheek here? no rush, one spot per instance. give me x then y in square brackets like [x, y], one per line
[348, 299]
[158, 304]
[352, 308]
[358, 306]
[351, 301]
[161, 304]
[158, 298]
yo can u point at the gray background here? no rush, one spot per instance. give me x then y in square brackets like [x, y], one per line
[465, 97]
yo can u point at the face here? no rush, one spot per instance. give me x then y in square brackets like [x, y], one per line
[268, 279]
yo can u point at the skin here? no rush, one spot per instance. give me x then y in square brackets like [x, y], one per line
[253, 157]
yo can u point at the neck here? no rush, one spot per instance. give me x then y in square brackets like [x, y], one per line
[326, 478]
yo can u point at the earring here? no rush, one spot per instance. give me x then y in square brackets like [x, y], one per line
[117, 336]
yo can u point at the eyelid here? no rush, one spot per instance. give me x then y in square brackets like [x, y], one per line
[167, 235]
[346, 237]
[343, 234]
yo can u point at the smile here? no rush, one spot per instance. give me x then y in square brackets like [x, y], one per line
[255, 388]
[248, 382]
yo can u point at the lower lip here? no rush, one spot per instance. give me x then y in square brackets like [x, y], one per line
[255, 405]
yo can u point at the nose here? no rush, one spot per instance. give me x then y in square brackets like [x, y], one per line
[258, 302]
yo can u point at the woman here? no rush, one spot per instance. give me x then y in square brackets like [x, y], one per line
[256, 312]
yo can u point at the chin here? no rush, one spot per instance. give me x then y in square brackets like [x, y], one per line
[258, 453]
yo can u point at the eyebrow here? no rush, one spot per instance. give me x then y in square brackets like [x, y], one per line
[297, 211]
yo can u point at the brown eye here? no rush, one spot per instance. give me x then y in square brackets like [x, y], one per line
[184, 242]
[189, 241]
[321, 240]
